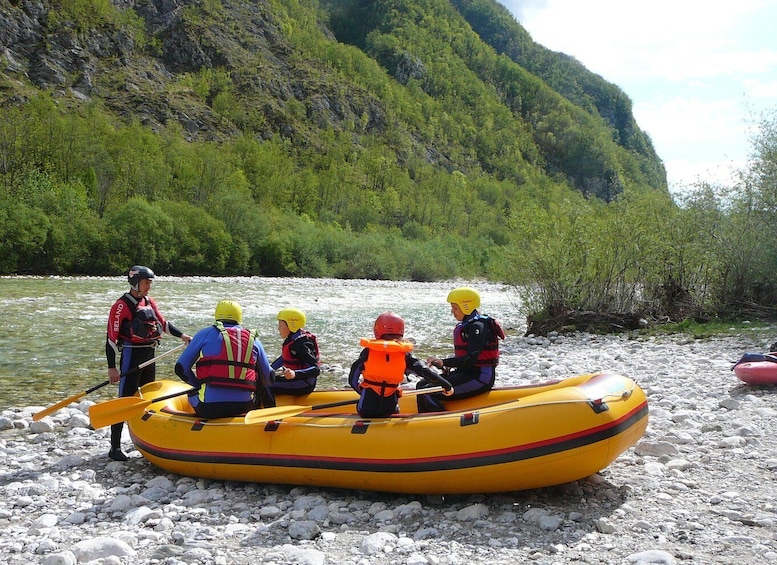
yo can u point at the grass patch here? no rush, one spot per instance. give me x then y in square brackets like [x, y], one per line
[705, 330]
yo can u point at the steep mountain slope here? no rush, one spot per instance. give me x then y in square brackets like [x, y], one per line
[458, 84]
[497, 27]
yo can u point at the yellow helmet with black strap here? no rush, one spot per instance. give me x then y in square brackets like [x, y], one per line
[229, 310]
[466, 298]
[295, 319]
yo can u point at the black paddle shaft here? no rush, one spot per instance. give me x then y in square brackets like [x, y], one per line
[95, 387]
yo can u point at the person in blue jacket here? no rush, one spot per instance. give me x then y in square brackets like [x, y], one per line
[228, 365]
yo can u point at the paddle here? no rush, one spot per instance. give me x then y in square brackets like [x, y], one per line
[279, 412]
[69, 400]
[122, 409]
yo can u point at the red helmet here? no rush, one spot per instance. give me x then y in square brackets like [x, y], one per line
[389, 326]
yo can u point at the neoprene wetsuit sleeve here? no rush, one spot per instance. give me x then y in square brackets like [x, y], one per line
[175, 332]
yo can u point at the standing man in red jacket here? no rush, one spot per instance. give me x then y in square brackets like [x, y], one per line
[135, 327]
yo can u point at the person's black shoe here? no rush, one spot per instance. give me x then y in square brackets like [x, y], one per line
[117, 454]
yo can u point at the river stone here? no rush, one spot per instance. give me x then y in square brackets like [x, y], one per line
[101, 548]
[473, 512]
[375, 543]
[652, 557]
[304, 529]
[63, 558]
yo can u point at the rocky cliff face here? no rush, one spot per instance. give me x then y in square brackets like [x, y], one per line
[54, 56]
[217, 68]
[137, 70]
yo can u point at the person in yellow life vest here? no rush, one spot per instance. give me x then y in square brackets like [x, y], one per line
[382, 366]
[231, 368]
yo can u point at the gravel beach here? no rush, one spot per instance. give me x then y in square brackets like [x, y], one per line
[700, 487]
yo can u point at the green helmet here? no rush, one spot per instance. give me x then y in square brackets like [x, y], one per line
[466, 298]
[295, 319]
[228, 310]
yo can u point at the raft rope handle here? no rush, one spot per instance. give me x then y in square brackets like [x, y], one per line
[625, 395]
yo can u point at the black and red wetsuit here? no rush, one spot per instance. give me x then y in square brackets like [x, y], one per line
[472, 369]
[135, 327]
[300, 354]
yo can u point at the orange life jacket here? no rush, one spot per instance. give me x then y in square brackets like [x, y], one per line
[384, 369]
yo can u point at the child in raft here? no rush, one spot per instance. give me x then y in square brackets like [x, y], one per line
[382, 366]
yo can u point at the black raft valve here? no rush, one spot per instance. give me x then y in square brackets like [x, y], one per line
[598, 406]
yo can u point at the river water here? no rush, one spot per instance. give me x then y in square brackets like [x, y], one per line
[52, 329]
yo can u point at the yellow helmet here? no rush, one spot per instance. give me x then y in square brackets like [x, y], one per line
[466, 298]
[228, 310]
[294, 318]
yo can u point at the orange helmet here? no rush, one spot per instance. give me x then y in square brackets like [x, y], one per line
[389, 326]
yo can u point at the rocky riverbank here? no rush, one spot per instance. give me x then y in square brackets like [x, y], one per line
[700, 487]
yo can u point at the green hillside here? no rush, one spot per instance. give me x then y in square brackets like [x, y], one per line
[385, 139]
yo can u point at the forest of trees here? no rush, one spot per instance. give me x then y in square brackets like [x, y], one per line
[83, 194]
[467, 166]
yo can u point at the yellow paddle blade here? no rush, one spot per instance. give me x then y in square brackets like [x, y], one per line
[69, 400]
[117, 410]
[58, 406]
[263, 415]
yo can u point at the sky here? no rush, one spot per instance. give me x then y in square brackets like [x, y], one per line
[700, 73]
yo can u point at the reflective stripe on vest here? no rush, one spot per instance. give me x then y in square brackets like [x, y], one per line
[235, 366]
[384, 368]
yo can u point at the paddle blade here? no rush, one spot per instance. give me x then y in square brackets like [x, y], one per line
[56, 407]
[117, 410]
[263, 415]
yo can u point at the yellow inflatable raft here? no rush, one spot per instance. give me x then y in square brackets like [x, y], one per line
[512, 438]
